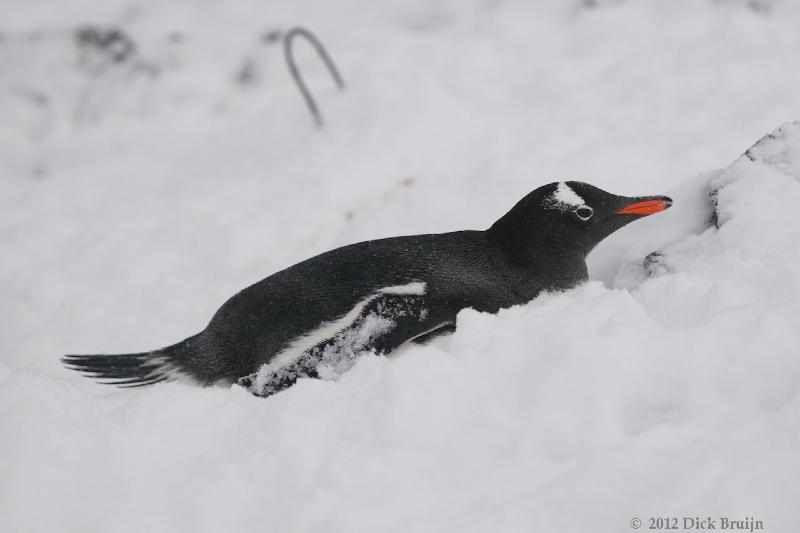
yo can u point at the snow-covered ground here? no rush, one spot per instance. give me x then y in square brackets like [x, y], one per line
[136, 196]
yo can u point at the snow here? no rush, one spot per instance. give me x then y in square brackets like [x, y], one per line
[348, 346]
[136, 197]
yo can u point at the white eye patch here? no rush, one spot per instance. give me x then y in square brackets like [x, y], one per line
[563, 198]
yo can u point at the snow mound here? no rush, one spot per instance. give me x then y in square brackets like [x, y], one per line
[780, 149]
[701, 203]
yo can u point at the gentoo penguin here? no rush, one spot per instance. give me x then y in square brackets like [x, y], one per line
[374, 296]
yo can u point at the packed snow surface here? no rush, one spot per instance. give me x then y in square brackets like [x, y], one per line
[149, 174]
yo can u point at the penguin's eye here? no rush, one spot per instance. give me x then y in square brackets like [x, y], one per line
[584, 212]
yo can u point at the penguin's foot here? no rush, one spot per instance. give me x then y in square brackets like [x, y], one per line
[264, 386]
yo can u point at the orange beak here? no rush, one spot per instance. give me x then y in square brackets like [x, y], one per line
[646, 207]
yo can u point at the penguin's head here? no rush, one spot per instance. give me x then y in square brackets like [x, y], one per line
[571, 215]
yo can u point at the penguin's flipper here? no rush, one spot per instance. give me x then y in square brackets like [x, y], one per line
[445, 328]
[385, 324]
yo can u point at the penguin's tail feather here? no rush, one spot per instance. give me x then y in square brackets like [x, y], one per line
[132, 370]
